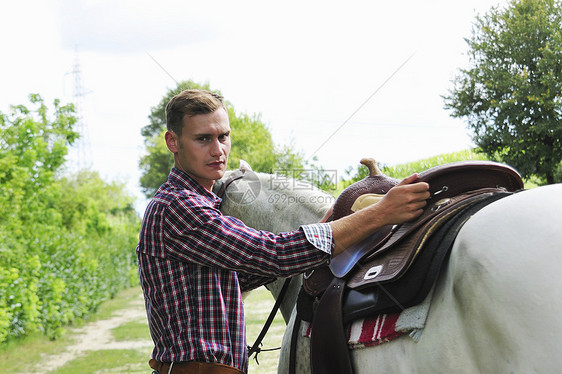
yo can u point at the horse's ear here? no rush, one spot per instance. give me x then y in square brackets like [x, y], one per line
[245, 166]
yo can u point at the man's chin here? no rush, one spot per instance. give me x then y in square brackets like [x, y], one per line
[217, 174]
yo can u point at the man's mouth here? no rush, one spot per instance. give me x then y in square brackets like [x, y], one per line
[217, 163]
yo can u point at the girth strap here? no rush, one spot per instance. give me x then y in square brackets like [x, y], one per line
[336, 347]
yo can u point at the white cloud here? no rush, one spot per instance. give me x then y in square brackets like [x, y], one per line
[125, 26]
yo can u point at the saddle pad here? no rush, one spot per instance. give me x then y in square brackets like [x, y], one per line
[366, 332]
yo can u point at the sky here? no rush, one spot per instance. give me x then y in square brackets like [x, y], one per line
[337, 80]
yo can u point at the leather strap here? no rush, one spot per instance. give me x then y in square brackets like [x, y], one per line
[255, 348]
[293, 346]
[336, 348]
[235, 175]
[192, 367]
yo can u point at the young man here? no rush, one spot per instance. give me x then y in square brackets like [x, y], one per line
[194, 262]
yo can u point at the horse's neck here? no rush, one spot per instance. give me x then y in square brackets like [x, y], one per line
[280, 205]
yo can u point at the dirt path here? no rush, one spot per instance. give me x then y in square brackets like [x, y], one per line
[97, 336]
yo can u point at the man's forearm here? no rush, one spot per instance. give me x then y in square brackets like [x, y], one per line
[351, 229]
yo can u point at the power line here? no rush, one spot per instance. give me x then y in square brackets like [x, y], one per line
[362, 105]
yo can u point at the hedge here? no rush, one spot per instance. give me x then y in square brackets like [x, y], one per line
[67, 242]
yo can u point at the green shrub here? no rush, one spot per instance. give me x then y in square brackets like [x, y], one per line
[66, 243]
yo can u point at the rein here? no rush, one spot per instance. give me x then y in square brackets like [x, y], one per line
[255, 348]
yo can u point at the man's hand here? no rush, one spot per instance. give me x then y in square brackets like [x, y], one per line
[402, 203]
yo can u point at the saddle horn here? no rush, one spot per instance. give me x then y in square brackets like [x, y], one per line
[371, 164]
[376, 183]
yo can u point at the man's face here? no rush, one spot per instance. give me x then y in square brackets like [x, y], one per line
[203, 148]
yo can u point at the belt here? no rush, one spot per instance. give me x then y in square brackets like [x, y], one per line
[192, 367]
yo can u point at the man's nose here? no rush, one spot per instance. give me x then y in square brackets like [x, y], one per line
[216, 148]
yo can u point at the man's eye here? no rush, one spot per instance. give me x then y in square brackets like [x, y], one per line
[203, 138]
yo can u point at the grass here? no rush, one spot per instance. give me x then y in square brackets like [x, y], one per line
[402, 171]
[131, 331]
[23, 355]
[108, 361]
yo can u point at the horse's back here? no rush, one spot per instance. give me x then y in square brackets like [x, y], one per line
[498, 301]
[506, 283]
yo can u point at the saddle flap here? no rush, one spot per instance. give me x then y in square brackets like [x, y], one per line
[393, 259]
[341, 265]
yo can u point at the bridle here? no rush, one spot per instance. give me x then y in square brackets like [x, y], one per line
[235, 175]
[255, 348]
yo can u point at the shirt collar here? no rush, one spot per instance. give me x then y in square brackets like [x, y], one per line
[181, 179]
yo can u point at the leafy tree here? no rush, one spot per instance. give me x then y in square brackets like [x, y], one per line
[157, 114]
[155, 164]
[511, 94]
[33, 146]
[251, 141]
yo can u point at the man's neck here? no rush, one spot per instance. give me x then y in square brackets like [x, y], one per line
[205, 183]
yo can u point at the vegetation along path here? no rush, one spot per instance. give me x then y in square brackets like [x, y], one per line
[116, 340]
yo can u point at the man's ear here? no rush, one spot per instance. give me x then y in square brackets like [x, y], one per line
[172, 142]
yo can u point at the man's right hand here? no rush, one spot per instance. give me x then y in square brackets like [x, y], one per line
[402, 203]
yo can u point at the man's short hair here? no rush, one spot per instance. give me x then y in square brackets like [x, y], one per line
[190, 103]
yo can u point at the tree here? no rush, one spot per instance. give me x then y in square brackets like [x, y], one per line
[251, 141]
[60, 237]
[511, 93]
[33, 146]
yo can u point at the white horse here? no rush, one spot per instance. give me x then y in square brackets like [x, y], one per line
[497, 305]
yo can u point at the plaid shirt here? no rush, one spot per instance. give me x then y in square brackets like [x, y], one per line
[194, 262]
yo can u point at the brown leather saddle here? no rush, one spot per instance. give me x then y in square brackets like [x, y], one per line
[405, 259]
